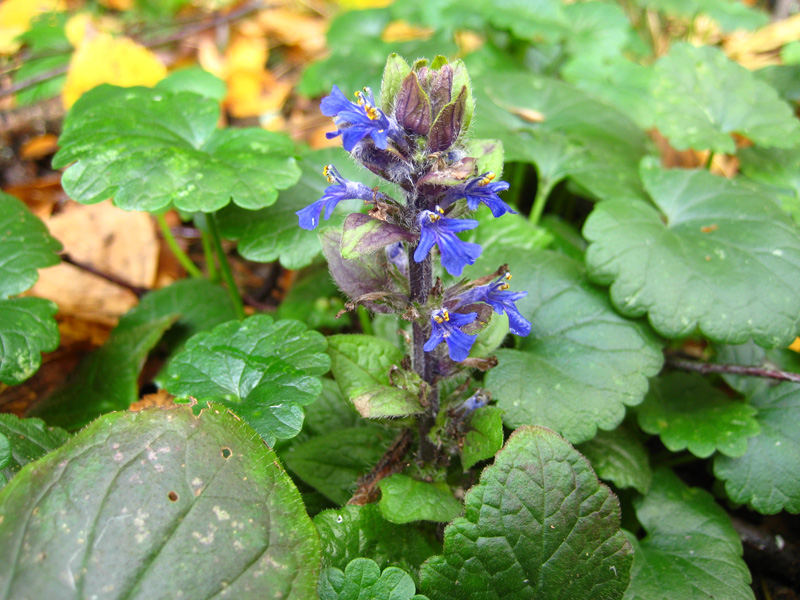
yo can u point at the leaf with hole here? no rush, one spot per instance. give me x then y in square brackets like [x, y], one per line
[263, 370]
[200, 492]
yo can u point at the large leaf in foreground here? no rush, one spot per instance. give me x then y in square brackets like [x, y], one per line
[582, 362]
[767, 476]
[151, 147]
[27, 329]
[262, 370]
[691, 551]
[538, 525]
[702, 97]
[29, 439]
[201, 493]
[25, 247]
[710, 254]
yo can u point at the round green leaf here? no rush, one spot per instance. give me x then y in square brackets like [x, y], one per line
[702, 97]
[363, 580]
[27, 329]
[711, 254]
[157, 504]
[688, 412]
[766, 476]
[264, 371]
[25, 247]
[195, 80]
[151, 147]
[691, 550]
[538, 525]
[582, 362]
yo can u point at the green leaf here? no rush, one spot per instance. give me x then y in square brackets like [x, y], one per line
[691, 550]
[538, 525]
[25, 247]
[202, 493]
[27, 329]
[765, 476]
[353, 531]
[404, 500]
[150, 148]
[333, 462]
[711, 254]
[582, 362]
[488, 155]
[784, 78]
[363, 367]
[330, 411]
[49, 88]
[262, 370]
[515, 104]
[484, 437]
[28, 440]
[195, 80]
[619, 456]
[596, 28]
[527, 19]
[701, 98]
[395, 71]
[778, 168]
[107, 379]
[315, 300]
[363, 580]
[686, 411]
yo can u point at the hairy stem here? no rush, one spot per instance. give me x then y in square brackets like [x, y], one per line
[705, 368]
[182, 257]
[390, 463]
[224, 266]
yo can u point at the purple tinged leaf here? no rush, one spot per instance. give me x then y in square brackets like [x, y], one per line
[440, 88]
[362, 234]
[447, 127]
[413, 108]
[453, 174]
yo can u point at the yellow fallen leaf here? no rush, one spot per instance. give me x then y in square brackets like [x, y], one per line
[15, 18]
[753, 50]
[117, 4]
[105, 59]
[795, 345]
[307, 32]
[360, 4]
[83, 24]
[403, 31]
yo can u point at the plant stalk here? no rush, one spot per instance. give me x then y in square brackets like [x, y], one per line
[224, 266]
[182, 257]
[542, 192]
[208, 251]
[705, 368]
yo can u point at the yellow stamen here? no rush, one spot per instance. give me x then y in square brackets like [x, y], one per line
[508, 276]
[504, 287]
[440, 210]
[438, 319]
[372, 113]
[446, 315]
[486, 179]
[327, 173]
[433, 217]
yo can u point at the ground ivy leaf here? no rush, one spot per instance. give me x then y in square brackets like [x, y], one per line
[353, 531]
[765, 477]
[691, 550]
[202, 492]
[28, 440]
[27, 329]
[262, 370]
[612, 145]
[776, 168]
[363, 580]
[711, 254]
[330, 411]
[25, 247]
[404, 500]
[149, 147]
[333, 462]
[686, 411]
[484, 436]
[619, 456]
[538, 525]
[702, 97]
[588, 361]
[107, 379]
[362, 366]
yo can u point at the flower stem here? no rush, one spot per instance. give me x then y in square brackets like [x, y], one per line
[208, 251]
[542, 192]
[224, 266]
[185, 261]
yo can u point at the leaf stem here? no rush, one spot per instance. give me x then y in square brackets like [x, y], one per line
[224, 266]
[705, 368]
[185, 261]
[542, 192]
[208, 251]
[709, 160]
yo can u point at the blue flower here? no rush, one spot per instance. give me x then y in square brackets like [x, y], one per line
[497, 296]
[445, 326]
[357, 120]
[436, 229]
[342, 189]
[481, 189]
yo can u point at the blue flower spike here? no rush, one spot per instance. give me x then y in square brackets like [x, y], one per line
[436, 229]
[342, 189]
[357, 120]
[498, 296]
[446, 326]
[482, 189]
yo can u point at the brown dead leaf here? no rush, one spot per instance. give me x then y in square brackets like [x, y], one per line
[403, 31]
[760, 48]
[112, 241]
[161, 399]
[39, 147]
[293, 28]
[40, 195]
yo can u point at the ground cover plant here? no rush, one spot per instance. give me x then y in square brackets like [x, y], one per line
[538, 297]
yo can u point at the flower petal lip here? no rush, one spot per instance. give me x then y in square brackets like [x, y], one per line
[439, 230]
[446, 326]
[357, 120]
[482, 189]
[341, 189]
[497, 295]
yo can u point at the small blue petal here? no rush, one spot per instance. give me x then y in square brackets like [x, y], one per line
[445, 326]
[309, 216]
[456, 254]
